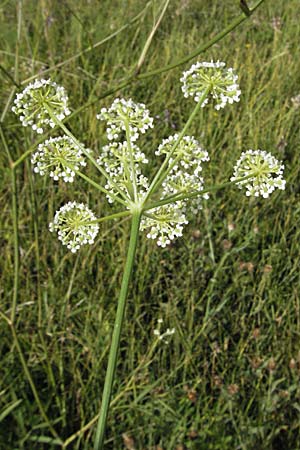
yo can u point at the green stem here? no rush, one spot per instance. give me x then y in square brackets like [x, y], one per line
[164, 171]
[132, 180]
[16, 244]
[110, 217]
[7, 104]
[113, 354]
[7, 74]
[209, 234]
[97, 186]
[34, 215]
[113, 216]
[19, 28]
[188, 196]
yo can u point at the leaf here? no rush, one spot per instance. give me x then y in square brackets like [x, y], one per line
[45, 440]
[9, 409]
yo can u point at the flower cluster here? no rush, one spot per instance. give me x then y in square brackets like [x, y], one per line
[219, 82]
[263, 170]
[123, 112]
[123, 166]
[59, 158]
[75, 225]
[33, 104]
[122, 160]
[165, 222]
[185, 165]
[162, 336]
[189, 152]
[180, 182]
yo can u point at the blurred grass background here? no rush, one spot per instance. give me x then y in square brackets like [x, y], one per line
[229, 376]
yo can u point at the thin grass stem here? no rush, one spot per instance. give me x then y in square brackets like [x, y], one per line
[235, 23]
[29, 377]
[150, 38]
[90, 48]
[8, 75]
[15, 228]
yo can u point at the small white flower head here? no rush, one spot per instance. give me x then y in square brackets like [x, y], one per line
[185, 175]
[59, 158]
[296, 101]
[75, 225]
[180, 181]
[189, 150]
[30, 105]
[116, 153]
[115, 158]
[165, 223]
[122, 111]
[221, 82]
[163, 335]
[264, 170]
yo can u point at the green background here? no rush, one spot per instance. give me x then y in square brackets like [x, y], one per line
[229, 376]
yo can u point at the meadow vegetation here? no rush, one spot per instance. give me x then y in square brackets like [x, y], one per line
[228, 378]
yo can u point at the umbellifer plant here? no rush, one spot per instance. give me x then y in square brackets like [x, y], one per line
[161, 206]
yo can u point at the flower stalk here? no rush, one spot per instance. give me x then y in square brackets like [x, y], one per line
[163, 171]
[190, 195]
[115, 343]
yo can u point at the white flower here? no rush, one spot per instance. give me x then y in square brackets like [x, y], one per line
[75, 225]
[55, 156]
[185, 174]
[31, 104]
[117, 161]
[122, 111]
[296, 101]
[162, 336]
[117, 153]
[264, 170]
[165, 223]
[180, 181]
[189, 153]
[221, 83]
